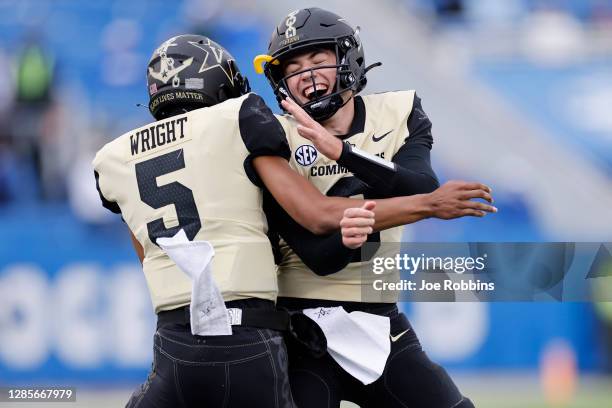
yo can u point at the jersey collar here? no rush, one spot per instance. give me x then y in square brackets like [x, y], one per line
[358, 124]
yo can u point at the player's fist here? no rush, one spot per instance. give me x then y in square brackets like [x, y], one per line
[455, 199]
[356, 224]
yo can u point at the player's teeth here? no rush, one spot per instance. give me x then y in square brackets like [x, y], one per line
[309, 92]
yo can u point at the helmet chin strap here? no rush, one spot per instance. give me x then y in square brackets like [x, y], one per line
[327, 112]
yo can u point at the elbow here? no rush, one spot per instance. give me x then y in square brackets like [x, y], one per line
[325, 272]
[326, 225]
[321, 226]
[316, 225]
[431, 184]
[327, 222]
[320, 220]
[320, 269]
[327, 266]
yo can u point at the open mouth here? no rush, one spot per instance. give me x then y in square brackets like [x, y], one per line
[312, 93]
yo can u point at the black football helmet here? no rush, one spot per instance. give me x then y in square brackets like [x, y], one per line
[189, 72]
[309, 28]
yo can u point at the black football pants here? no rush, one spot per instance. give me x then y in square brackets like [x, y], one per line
[246, 369]
[410, 378]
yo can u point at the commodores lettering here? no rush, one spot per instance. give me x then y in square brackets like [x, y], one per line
[327, 170]
[157, 135]
[331, 169]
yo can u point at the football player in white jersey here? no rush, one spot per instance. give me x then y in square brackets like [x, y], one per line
[377, 146]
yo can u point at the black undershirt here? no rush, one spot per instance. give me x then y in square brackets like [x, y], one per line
[413, 171]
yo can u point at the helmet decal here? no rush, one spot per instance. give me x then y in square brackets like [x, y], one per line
[289, 22]
[210, 47]
[166, 65]
[191, 71]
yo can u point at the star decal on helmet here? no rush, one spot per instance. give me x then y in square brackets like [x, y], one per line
[211, 47]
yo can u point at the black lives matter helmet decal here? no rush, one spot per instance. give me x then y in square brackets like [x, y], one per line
[191, 71]
[311, 28]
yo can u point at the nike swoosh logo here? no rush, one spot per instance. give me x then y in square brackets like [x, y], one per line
[378, 139]
[396, 338]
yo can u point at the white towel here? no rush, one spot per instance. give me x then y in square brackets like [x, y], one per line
[358, 341]
[209, 316]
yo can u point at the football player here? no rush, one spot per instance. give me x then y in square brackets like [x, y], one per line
[377, 146]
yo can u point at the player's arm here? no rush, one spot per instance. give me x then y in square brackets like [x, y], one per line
[453, 199]
[299, 198]
[408, 173]
[267, 166]
[321, 214]
[323, 254]
[327, 254]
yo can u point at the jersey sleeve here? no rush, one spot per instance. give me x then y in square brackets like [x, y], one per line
[413, 158]
[410, 171]
[261, 133]
[109, 205]
[323, 254]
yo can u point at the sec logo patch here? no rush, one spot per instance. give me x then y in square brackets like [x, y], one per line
[305, 155]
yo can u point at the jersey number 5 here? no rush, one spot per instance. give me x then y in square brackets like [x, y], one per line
[168, 194]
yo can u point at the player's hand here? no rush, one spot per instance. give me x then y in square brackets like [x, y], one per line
[454, 199]
[356, 224]
[326, 143]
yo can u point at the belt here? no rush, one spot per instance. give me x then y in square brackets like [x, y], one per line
[382, 309]
[248, 317]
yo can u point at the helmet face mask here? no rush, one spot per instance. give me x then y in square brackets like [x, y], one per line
[303, 31]
[319, 107]
[190, 71]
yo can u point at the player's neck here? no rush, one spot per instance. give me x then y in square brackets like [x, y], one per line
[340, 123]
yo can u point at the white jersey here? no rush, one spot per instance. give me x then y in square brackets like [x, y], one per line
[188, 172]
[384, 132]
